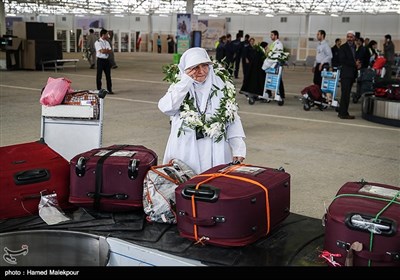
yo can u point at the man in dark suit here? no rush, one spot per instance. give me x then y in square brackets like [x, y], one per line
[348, 74]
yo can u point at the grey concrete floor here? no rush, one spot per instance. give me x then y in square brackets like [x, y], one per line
[319, 150]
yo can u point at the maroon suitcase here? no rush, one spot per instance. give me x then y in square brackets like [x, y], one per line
[368, 213]
[26, 171]
[232, 205]
[110, 178]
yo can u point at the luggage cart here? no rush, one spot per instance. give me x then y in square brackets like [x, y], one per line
[73, 129]
[329, 85]
[272, 81]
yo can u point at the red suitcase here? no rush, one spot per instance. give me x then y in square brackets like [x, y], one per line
[367, 213]
[232, 205]
[26, 171]
[110, 178]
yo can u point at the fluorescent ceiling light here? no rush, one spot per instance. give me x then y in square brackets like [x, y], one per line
[204, 7]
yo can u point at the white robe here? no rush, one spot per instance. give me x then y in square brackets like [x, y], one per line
[204, 153]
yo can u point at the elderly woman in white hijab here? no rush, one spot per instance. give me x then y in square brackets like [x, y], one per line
[205, 128]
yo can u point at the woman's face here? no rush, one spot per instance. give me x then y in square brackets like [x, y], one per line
[199, 72]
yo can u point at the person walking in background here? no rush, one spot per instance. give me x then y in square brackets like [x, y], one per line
[276, 47]
[229, 54]
[103, 50]
[348, 74]
[221, 51]
[246, 52]
[323, 58]
[195, 103]
[158, 44]
[372, 50]
[366, 42]
[254, 81]
[91, 56]
[388, 53]
[171, 44]
[237, 54]
[335, 53]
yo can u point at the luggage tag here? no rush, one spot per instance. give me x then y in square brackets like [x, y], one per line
[49, 210]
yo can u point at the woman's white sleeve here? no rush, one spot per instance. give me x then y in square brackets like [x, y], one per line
[238, 146]
[169, 104]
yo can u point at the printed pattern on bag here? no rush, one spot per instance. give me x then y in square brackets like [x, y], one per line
[159, 190]
[84, 99]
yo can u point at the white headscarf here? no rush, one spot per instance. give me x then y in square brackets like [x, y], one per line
[191, 58]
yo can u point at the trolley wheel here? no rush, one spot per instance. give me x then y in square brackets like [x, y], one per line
[306, 106]
[251, 100]
[281, 102]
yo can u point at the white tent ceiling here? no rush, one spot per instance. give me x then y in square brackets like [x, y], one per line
[248, 7]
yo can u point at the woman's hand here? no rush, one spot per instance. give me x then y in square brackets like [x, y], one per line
[191, 72]
[199, 72]
[238, 159]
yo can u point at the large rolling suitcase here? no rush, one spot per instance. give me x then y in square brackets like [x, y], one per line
[110, 178]
[232, 205]
[27, 171]
[362, 226]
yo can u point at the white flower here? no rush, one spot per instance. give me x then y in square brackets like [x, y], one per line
[278, 55]
[214, 130]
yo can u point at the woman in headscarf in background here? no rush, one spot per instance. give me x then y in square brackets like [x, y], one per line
[254, 81]
[206, 129]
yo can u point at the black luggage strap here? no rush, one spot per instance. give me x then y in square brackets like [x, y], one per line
[99, 176]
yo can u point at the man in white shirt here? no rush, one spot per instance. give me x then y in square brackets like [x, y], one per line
[277, 46]
[103, 50]
[323, 58]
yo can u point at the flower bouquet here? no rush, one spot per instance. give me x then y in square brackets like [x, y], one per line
[273, 57]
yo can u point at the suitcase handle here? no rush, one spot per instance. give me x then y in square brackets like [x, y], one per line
[80, 167]
[118, 196]
[368, 223]
[203, 193]
[133, 168]
[31, 176]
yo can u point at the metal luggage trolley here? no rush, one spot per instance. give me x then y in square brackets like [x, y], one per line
[272, 81]
[73, 129]
[329, 85]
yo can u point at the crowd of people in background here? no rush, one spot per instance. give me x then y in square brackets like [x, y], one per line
[246, 52]
[353, 56]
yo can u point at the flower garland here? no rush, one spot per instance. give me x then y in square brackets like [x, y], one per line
[215, 126]
[278, 55]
